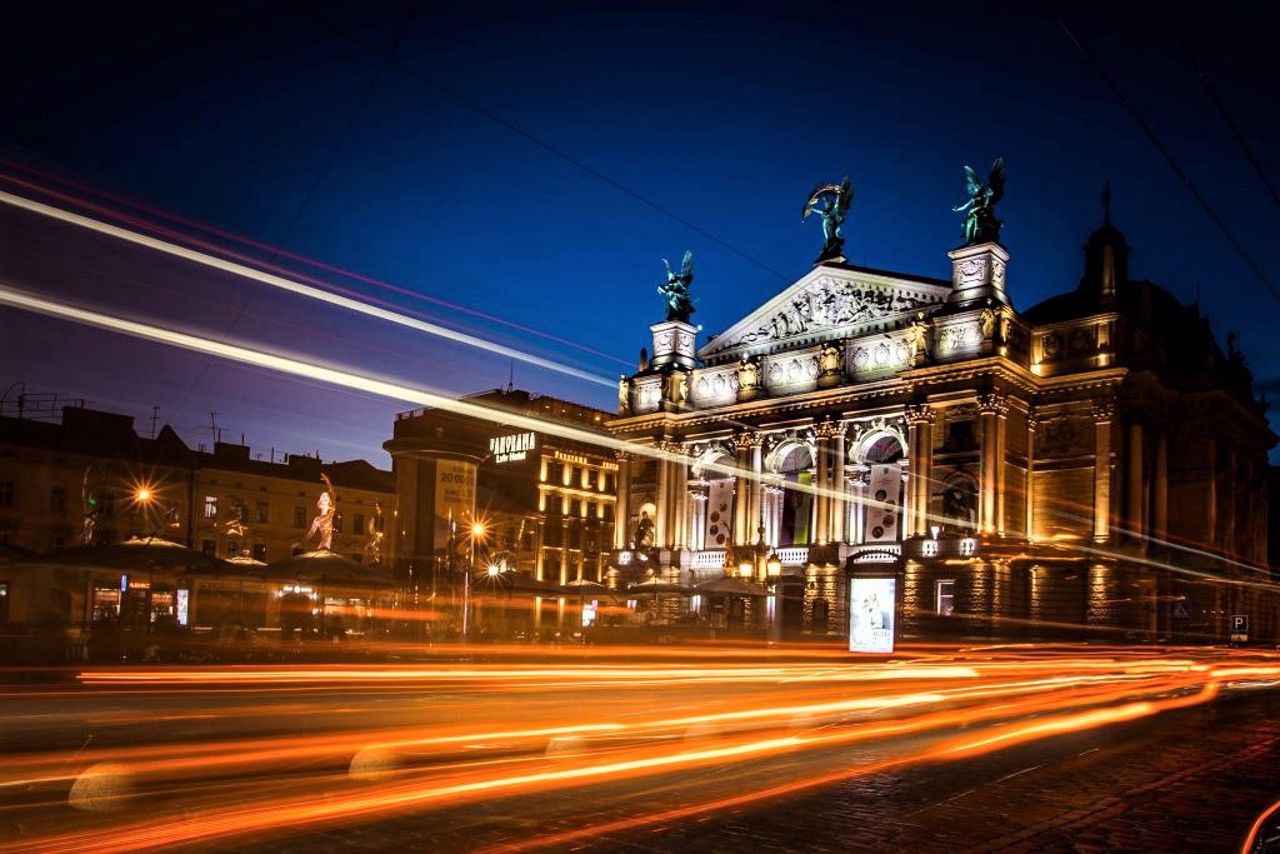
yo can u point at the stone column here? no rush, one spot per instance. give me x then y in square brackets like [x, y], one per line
[859, 522]
[662, 499]
[622, 508]
[697, 515]
[1029, 482]
[742, 443]
[757, 487]
[680, 495]
[1160, 510]
[990, 408]
[1103, 414]
[821, 482]
[839, 506]
[1134, 486]
[920, 449]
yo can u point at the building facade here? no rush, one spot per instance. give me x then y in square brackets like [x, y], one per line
[505, 486]
[89, 478]
[1093, 466]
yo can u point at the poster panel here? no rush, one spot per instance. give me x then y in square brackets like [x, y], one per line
[719, 513]
[871, 613]
[455, 496]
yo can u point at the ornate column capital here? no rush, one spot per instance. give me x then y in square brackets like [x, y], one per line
[1103, 410]
[828, 429]
[920, 414]
[993, 403]
[747, 440]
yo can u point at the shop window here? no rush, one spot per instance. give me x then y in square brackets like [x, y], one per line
[945, 595]
[233, 548]
[209, 547]
[211, 507]
[260, 552]
[58, 501]
[337, 523]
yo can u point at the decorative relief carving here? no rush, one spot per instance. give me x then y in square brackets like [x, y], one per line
[1051, 346]
[1103, 410]
[747, 440]
[920, 413]
[829, 303]
[1065, 435]
[662, 341]
[973, 271]
[997, 273]
[1081, 341]
[993, 403]
[828, 429]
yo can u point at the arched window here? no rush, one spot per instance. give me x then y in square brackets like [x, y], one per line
[796, 471]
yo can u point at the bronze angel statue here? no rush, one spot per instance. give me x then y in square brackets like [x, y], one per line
[832, 202]
[980, 223]
[676, 290]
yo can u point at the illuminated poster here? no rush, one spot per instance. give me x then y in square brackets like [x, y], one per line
[719, 513]
[455, 495]
[882, 511]
[871, 610]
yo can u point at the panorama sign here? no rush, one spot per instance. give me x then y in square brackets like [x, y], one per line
[513, 448]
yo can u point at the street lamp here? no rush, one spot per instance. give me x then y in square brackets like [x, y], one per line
[477, 531]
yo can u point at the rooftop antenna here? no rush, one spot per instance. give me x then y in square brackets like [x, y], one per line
[155, 414]
[511, 382]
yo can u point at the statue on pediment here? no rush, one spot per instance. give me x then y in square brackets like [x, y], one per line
[831, 201]
[980, 223]
[676, 290]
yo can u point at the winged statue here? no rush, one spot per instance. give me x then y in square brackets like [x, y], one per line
[831, 201]
[980, 223]
[676, 289]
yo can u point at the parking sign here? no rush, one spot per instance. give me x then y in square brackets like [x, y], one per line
[1239, 627]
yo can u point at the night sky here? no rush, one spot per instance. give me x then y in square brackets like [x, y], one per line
[519, 171]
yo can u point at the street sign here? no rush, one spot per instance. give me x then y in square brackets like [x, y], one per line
[1180, 611]
[1239, 627]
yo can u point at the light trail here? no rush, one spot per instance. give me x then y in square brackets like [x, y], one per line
[279, 251]
[297, 288]
[236, 787]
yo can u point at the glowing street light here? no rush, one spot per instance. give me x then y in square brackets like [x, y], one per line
[477, 532]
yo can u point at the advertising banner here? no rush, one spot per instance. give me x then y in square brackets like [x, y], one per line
[871, 613]
[882, 515]
[455, 496]
[719, 513]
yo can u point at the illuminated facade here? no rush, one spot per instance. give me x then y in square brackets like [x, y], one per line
[89, 477]
[1096, 464]
[493, 483]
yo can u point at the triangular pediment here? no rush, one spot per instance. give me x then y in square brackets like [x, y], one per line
[829, 303]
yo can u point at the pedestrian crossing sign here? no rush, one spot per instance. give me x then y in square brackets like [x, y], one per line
[1180, 611]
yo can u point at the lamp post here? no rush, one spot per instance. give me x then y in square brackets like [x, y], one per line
[765, 567]
[477, 530]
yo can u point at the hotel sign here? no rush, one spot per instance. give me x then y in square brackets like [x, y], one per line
[513, 448]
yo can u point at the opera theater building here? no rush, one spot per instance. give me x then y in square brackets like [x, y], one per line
[884, 455]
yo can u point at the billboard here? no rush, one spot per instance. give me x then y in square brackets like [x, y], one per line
[871, 613]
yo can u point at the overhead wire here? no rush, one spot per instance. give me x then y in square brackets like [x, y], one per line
[1217, 102]
[1168, 158]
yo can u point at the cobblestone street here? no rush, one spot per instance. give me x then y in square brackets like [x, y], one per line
[1192, 780]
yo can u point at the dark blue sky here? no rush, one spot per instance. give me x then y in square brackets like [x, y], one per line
[536, 162]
